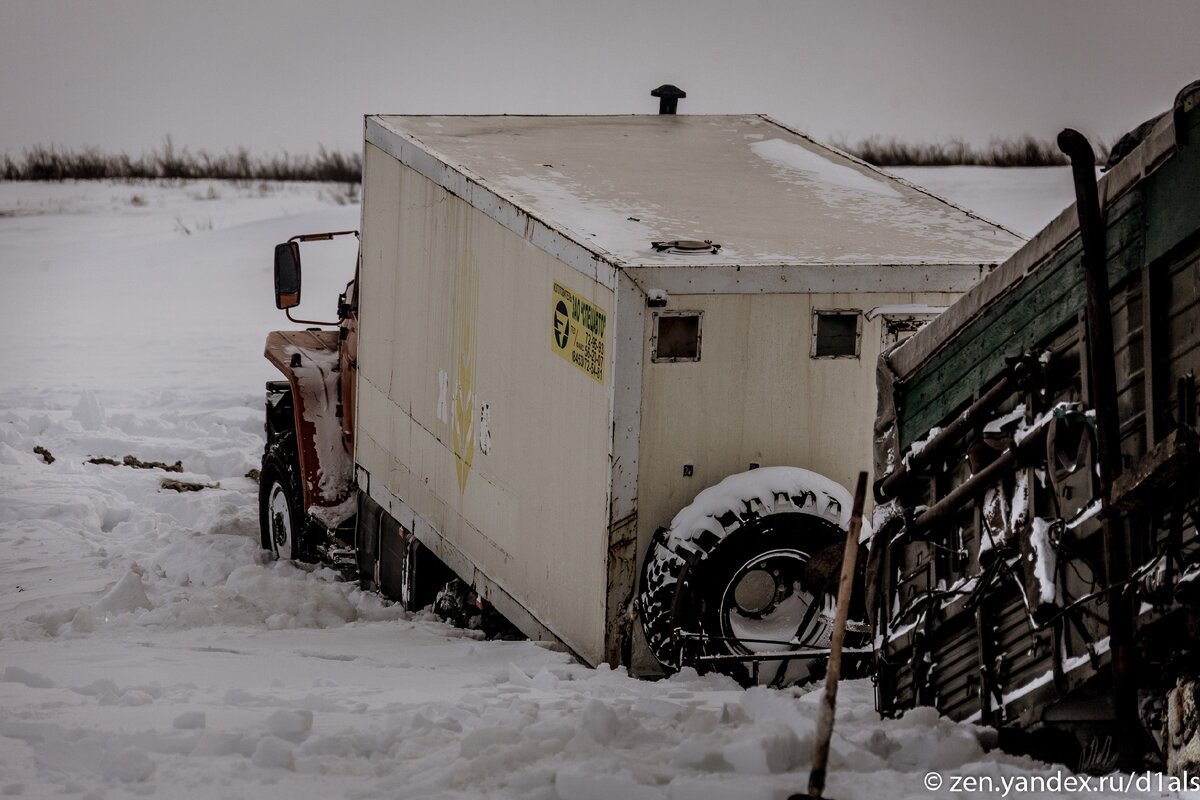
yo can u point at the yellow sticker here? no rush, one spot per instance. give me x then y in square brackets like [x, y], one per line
[578, 331]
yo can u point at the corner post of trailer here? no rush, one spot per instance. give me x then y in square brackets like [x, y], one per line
[1102, 371]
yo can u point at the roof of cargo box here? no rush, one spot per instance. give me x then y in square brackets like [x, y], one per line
[766, 194]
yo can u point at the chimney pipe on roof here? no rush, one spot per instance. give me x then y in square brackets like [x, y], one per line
[668, 97]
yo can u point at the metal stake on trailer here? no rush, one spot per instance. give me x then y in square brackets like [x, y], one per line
[1102, 369]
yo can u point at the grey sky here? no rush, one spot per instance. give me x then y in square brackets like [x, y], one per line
[272, 75]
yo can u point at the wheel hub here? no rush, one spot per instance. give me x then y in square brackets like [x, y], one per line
[756, 591]
[281, 521]
[279, 527]
[765, 605]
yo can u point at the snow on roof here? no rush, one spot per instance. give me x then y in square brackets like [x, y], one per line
[765, 193]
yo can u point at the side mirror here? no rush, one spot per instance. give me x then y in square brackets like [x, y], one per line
[287, 275]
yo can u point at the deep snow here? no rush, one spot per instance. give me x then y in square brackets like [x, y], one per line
[148, 648]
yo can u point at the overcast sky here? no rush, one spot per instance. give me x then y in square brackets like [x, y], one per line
[274, 75]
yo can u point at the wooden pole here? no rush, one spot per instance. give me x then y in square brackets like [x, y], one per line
[816, 777]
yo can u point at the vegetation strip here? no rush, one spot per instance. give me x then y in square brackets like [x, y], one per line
[50, 163]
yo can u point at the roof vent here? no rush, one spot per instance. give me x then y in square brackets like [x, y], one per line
[668, 97]
[686, 246]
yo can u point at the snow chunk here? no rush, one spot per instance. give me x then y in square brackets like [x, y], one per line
[575, 785]
[916, 447]
[332, 516]
[33, 680]
[273, 753]
[190, 721]
[10, 456]
[477, 741]
[1045, 559]
[127, 595]
[598, 721]
[88, 412]
[1000, 423]
[291, 725]
[130, 765]
[769, 751]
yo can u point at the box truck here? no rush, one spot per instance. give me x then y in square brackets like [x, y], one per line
[1035, 560]
[603, 365]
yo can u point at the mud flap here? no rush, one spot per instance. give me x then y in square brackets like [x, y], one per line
[1181, 728]
[622, 578]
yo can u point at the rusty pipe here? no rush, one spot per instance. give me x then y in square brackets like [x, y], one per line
[977, 483]
[891, 485]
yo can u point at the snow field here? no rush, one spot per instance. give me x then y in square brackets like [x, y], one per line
[148, 648]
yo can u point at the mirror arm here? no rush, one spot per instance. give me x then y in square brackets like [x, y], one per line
[288, 311]
[321, 237]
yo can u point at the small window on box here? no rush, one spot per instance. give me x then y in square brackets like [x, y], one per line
[676, 336]
[897, 328]
[836, 334]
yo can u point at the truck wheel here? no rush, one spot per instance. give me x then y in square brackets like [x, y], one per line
[281, 517]
[750, 565]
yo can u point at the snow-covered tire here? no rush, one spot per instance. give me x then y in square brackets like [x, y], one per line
[736, 564]
[280, 506]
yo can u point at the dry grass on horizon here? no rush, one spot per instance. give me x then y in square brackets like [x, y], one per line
[49, 163]
[1022, 151]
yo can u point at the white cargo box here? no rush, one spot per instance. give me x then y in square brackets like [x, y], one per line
[541, 386]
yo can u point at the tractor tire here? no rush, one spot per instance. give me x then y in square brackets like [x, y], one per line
[282, 521]
[739, 571]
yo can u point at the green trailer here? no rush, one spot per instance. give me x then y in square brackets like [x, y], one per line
[1036, 560]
